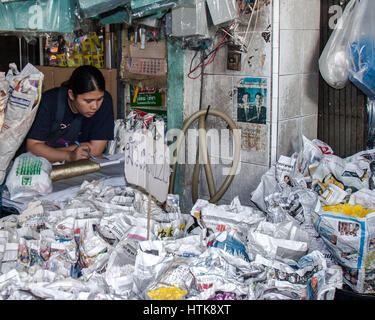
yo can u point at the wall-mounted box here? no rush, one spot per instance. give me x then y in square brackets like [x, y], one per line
[222, 11]
[190, 19]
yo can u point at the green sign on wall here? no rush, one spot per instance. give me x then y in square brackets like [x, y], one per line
[146, 97]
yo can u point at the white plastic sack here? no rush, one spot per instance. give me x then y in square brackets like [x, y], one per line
[233, 217]
[283, 241]
[29, 176]
[113, 145]
[18, 120]
[150, 263]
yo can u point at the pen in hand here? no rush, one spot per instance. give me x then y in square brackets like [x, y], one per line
[78, 144]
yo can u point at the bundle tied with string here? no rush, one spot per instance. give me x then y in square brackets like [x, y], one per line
[73, 169]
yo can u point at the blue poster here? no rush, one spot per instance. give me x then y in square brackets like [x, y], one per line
[252, 100]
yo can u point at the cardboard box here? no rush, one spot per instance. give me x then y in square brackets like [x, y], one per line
[145, 68]
[55, 76]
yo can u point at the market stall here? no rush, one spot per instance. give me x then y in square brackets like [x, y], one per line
[111, 228]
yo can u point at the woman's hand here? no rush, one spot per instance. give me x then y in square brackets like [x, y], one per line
[80, 152]
[68, 154]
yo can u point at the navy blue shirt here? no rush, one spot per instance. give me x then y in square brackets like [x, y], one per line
[98, 127]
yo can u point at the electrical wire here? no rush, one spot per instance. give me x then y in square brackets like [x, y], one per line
[211, 55]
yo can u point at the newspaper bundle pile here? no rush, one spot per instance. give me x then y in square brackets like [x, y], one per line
[136, 120]
[341, 209]
[22, 101]
[94, 246]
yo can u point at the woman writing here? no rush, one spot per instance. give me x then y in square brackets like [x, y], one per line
[75, 120]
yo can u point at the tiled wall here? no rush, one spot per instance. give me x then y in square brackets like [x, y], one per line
[292, 78]
[298, 73]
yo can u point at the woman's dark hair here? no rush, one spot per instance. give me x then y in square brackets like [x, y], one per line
[85, 79]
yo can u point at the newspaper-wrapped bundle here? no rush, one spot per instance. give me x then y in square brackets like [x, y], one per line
[335, 179]
[351, 240]
[25, 90]
[4, 88]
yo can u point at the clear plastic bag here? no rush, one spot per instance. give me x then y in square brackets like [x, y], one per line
[40, 15]
[335, 59]
[362, 48]
[92, 8]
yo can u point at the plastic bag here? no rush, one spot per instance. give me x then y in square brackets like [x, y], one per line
[29, 176]
[91, 8]
[362, 46]
[335, 59]
[17, 122]
[41, 15]
[4, 94]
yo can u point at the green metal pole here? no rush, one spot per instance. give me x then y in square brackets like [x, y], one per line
[175, 99]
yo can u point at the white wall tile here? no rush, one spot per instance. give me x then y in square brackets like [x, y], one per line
[247, 181]
[291, 51]
[291, 14]
[310, 94]
[218, 93]
[289, 96]
[289, 140]
[309, 126]
[311, 17]
[310, 45]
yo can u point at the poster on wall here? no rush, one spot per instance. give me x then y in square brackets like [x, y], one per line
[253, 136]
[252, 100]
[252, 113]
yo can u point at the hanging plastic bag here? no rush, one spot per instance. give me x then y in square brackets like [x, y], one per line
[362, 46]
[335, 58]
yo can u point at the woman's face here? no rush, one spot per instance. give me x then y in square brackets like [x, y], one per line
[87, 103]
